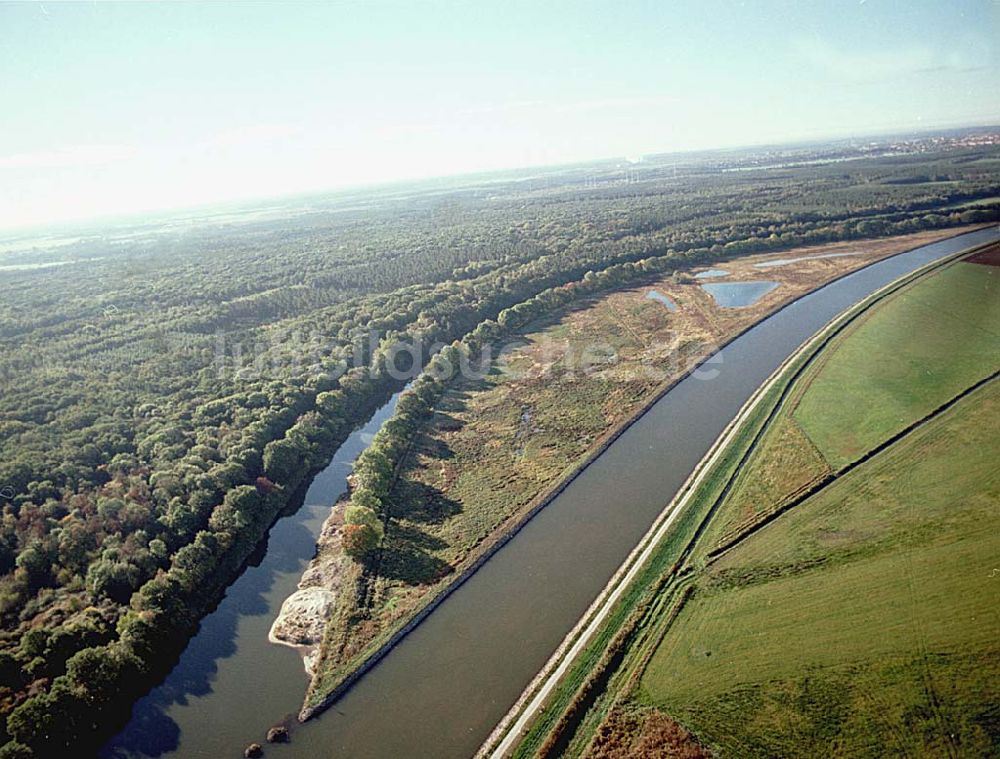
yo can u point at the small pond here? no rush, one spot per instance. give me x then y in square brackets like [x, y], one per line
[47, 264]
[711, 274]
[661, 298]
[738, 294]
[786, 261]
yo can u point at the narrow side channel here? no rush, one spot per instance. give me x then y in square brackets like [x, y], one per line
[231, 683]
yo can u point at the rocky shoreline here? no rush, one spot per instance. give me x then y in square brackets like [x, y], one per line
[302, 619]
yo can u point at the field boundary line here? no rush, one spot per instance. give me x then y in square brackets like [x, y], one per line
[863, 459]
[815, 346]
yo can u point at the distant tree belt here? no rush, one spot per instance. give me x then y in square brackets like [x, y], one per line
[137, 477]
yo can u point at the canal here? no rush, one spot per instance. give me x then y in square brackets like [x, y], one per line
[440, 692]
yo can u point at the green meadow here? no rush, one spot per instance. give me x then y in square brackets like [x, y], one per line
[864, 621]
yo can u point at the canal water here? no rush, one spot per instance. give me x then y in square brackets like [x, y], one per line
[442, 690]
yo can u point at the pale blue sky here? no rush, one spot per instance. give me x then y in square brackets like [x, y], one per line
[110, 108]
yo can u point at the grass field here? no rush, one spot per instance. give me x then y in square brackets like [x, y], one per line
[866, 620]
[901, 362]
[893, 366]
[867, 594]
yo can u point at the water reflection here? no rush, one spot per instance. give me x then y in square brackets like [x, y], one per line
[711, 274]
[738, 294]
[664, 299]
[786, 261]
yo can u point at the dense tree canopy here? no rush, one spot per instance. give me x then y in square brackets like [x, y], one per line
[164, 391]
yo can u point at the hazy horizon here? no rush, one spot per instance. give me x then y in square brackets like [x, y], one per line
[120, 109]
[72, 224]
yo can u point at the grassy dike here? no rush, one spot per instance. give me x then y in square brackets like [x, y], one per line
[636, 618]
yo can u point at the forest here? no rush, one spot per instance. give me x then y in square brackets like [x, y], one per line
[168, 389]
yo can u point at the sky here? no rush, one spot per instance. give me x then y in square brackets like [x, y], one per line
[110, 108]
